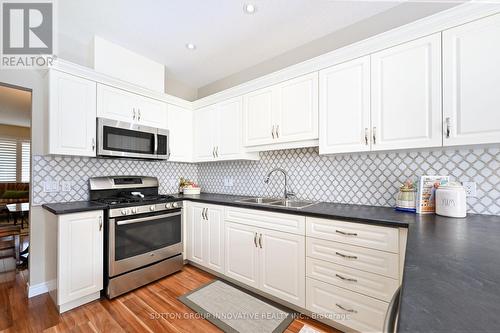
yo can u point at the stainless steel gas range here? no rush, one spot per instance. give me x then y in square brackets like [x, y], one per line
[143, 232]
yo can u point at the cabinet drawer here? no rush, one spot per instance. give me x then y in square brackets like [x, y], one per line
[370, 236]
[365, 283]
[294, 224]
[367, 260]
[366, 314]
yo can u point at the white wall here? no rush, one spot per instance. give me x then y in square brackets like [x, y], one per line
[41, 243]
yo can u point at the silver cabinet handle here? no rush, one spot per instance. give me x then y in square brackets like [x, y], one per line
[392, 313]
[272, 132]
[138, 114]
[93, 144]
[345, 256]
[260, 241]
[100, 223]
[366, 136]
[448, 130]
[213, 152]
[374, 135]
[345, 279]
[203, 214]
[345, 309]
[346, 233]
[217, 151]
[277, 131]
[255, 239]
[133, 113]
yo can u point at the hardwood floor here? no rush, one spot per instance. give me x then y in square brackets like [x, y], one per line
[153, 308]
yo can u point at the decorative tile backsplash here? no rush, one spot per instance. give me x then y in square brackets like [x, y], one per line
[361, 178]
[78, 170]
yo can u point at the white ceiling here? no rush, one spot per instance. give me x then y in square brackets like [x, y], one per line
[227, 39]
[15, 107]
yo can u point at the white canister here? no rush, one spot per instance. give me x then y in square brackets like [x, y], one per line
[451, 200]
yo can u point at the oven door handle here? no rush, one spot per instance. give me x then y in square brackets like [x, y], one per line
[156, 144]
[144, 219]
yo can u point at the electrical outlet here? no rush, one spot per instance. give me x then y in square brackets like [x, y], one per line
[470, 189]
[50, 186]
[228, 181]
[66, 185]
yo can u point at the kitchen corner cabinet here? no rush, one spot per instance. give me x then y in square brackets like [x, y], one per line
[406, 95]
[282, 113]
[205, 238]
[217, 133]
[180, 127]
[72, 115]
[79, 258]
[471, 83]
[121, 105]
[344, 109]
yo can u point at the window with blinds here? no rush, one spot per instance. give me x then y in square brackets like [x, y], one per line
[25, 161]
[14, 160]
[8, 156]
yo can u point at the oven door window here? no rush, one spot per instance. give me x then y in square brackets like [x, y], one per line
[130, 141]
[141, 235]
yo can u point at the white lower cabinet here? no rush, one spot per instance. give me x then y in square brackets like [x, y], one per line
[205, 236]
[353, 310]
[269, 260]
[79, 277]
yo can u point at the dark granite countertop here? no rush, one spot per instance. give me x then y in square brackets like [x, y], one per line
[73, 207]
[451, 280]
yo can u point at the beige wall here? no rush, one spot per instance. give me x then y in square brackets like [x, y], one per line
[41, 243]
[390, 19]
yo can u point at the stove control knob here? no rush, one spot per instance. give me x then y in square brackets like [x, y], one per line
[175, 204]
[124, 212]
[134, 210]
[152, 208]
[168, 205]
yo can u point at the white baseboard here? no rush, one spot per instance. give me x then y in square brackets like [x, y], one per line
[41, 288]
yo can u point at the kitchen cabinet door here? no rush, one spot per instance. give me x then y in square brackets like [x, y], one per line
[214, 238]
[196, 239]
[296, 118]
[116, 104]
[180, 127]
[241, 253]
[282, 265]
[344, 109]
[471, 83]
[151, 112]
[258, 123]
[80, 255]
[406, 95]
[204, 134]
[72, 115]
[229, 135]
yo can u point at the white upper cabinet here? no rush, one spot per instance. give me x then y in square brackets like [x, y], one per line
[344, 109]
[406, 95]
[283, 113]
[217, 132]
[259, 118]
[297, 115]
[180, 127]
[122, 105]
[72, 115]
[471, 83]
[204, 134]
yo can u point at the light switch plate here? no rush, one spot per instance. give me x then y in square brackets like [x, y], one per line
[470, 189]
[50, 186]
[66, 185]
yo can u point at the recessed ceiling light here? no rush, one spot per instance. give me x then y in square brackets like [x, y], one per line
[249, 8]
[190, 46]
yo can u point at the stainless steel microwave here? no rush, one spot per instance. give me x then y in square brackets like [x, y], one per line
[122, 139]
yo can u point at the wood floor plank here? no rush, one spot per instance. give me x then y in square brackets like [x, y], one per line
[153, 308]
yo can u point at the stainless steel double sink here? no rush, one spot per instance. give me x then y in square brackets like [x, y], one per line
[288, 203]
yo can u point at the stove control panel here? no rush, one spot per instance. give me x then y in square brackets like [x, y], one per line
[160, 207]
